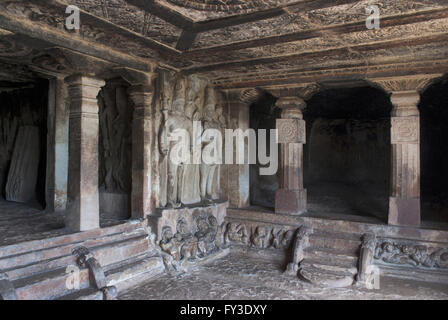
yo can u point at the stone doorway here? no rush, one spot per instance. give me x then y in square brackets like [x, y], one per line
[434, 149]
[263, 115]
[23, 143]
[347, 154]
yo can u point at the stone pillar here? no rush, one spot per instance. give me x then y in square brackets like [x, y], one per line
[143, 201]
[57, 146]
[82, 195]
[404, 201]
[291, 197]
[238, 179]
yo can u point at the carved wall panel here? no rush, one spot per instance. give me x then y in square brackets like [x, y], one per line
[259, 235]
[186, 102]
[411, 254]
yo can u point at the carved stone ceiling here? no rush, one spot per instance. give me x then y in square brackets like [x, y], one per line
[247, 43]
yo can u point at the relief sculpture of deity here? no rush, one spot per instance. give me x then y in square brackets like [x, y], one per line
[173, 120]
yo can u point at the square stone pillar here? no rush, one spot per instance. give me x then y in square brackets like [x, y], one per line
[291, 198]
[82, 193]
[404, 202]
[143, 200]
[57, 146]
[238, 179]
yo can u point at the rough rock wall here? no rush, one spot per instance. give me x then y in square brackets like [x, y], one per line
[180, 101]
[348, 137]
[348, 151]
[23, 107]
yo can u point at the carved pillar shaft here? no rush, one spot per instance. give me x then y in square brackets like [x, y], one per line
[82, 193]
[239, 174]
[291, 197]
[404, 203]
[143, 202]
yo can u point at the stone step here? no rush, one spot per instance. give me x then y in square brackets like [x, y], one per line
[328, 268]
[330, 256]
[84, 294]
[134, 271]
[48, 279]
[41, 260]
[324, 278]
[48, 285]
[347, 245]
[90, 238]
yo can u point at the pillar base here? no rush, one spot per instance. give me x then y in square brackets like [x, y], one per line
[290, 201]
[404, 212]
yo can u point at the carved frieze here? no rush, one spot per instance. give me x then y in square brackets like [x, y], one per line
[258, 236]
[411, 254]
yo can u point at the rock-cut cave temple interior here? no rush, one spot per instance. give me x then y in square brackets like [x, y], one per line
[352, 96]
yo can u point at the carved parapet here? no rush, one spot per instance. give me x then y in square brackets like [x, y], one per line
[85, 259]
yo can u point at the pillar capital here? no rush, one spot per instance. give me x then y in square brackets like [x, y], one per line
[412, 83]
[405, 103]
[292, 107]
[84, 86]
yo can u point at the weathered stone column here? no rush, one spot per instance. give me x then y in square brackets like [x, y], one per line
[143, 202]
[57, 146]
[82, 195]
[291, 198]
[404, 201]
[238, 179]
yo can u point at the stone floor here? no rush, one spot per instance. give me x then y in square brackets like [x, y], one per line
[246, 276]
[21, 222]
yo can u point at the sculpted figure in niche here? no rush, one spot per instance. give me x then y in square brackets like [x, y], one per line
[210, 173]
[190, 193]
[173, 120]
